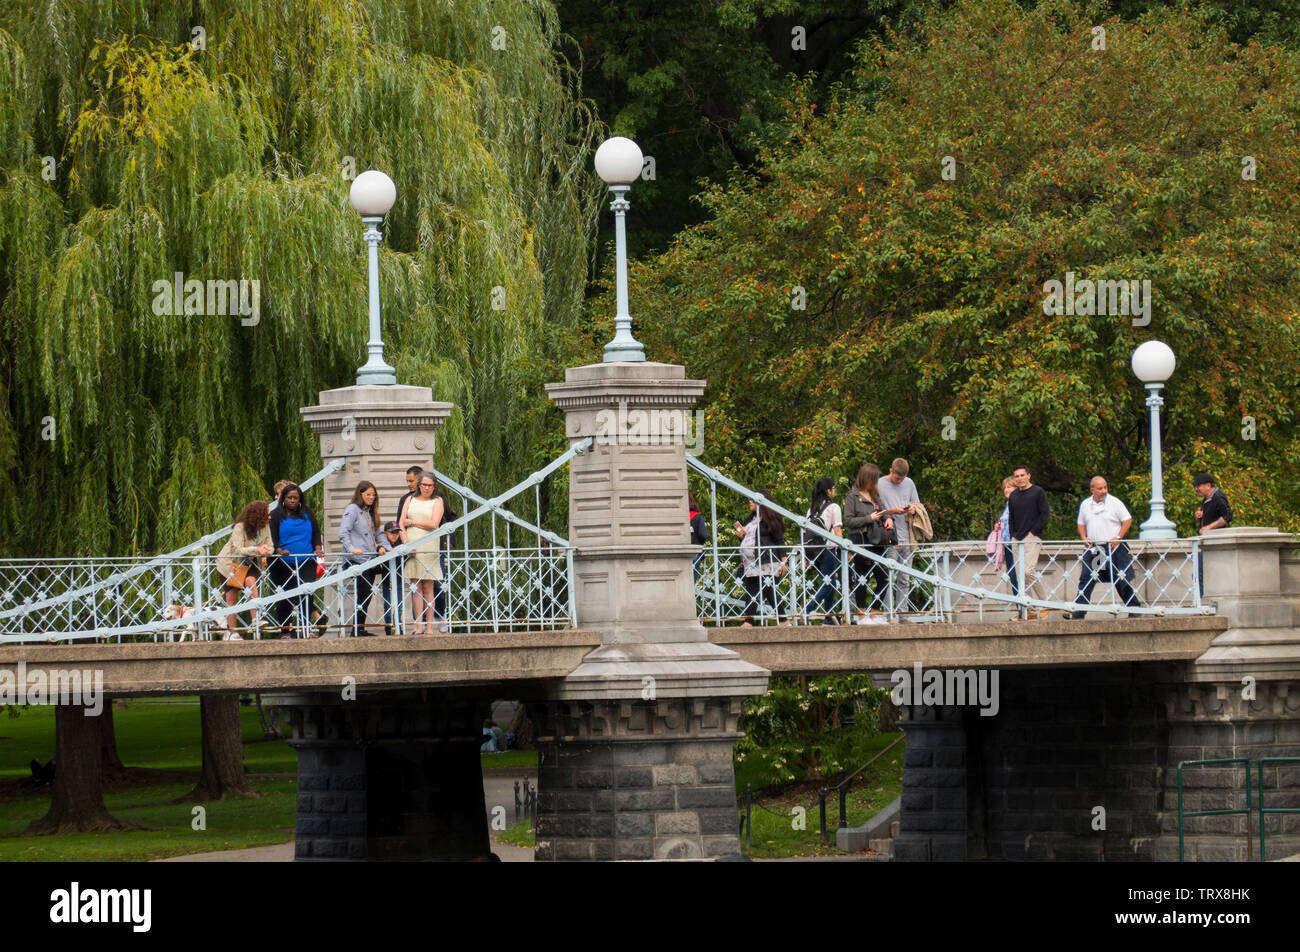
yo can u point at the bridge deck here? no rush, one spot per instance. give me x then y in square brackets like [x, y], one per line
[313, 664]
[1007, 644]
[456, 660]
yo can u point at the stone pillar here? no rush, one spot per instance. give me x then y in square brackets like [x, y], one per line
[389, 776]
[933, 815]
[383, 431]
[636, 748]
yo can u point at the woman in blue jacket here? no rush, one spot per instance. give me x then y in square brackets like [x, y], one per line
[359, 534]
[296, 538]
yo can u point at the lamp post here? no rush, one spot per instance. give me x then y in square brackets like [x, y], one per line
[372, 195]
[618, 162]
[1153, 363]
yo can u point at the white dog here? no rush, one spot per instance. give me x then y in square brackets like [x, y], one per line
[187, 628]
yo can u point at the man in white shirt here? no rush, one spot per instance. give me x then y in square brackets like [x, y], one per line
[1103, 522]
[897, 493]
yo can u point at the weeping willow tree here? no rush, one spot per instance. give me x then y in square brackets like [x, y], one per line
[141, 139]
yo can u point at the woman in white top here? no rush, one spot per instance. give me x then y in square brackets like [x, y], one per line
[763, 560]
[421, 516]
[825, 557]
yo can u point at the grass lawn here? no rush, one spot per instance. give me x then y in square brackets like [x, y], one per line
[163, 734]
[520, 833]
[774, 836]
[512, 759]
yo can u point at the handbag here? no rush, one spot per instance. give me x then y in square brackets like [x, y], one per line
[993, 544]
[238, 576]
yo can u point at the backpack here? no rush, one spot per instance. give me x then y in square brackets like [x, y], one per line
[812, 542]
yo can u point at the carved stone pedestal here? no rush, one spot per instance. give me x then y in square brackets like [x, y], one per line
[638, 780]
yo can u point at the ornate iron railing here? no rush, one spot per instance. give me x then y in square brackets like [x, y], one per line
[497, 588]
[939, 581]
[29, 586]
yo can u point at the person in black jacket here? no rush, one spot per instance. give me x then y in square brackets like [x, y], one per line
[1028, 516]
[862, 507]
[1213, 513]
[296, 539]
[762, 557]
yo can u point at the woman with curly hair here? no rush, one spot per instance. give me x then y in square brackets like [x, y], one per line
[238, 563]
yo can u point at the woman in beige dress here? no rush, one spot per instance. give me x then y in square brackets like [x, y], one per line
[238, 562]
[421, 516]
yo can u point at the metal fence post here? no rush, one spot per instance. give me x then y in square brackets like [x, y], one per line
[717, 593]
[197, 584]
[846, 597]
[572, 586]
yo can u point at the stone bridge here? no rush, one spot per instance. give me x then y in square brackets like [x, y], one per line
[638, 710]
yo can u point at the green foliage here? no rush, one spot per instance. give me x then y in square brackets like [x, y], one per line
[699, 85]
[775, 831]
[230, 161]
[794, 733]
[925, 296]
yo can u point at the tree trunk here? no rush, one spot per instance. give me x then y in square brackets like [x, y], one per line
[112, 763]
[78, 802]
[223, 752]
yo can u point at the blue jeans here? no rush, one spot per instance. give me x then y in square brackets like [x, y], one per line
[827, 564]
[384, 577]
[1011, 568]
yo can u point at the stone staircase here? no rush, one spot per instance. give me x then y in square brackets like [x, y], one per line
[884, 844]
[876, 835]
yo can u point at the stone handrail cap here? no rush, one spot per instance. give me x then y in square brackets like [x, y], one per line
[646, 383]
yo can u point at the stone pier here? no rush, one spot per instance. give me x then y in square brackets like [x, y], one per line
[1081, 762]
[389, 776]
[636, 744]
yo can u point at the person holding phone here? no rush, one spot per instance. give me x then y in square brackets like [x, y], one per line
[862, 507]
[898, 495]
[762, 558]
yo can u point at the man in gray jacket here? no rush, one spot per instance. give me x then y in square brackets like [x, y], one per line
[897, 494]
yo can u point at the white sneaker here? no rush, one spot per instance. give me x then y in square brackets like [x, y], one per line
[875, 620]
[861, 619]
[232, 636]
[444, 628]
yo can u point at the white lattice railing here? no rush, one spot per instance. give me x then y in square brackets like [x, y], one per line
[940, 581]
[497, 588]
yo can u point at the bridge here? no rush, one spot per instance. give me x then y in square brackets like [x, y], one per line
[633, 663]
